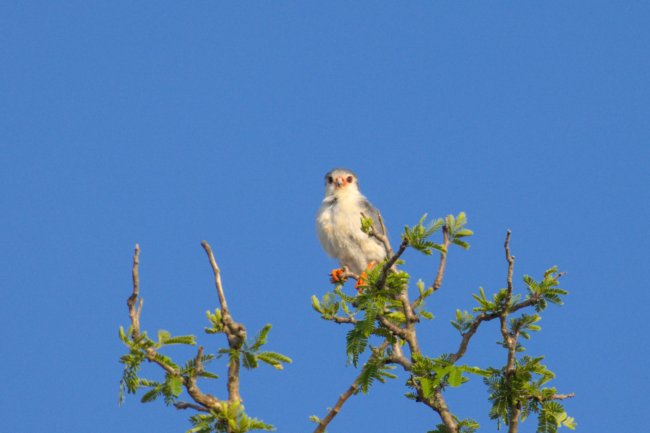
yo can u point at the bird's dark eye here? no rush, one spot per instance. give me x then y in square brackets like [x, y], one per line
[349, 179]
[330, 179]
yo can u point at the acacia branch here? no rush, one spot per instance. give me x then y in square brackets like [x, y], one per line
[235, 332]
[341, 320]
[437, 282]
[185, 405]
[134, 313]
[563, 396]
[205, 401]
[443, 259]
[397, 357]
[511, 263]
[486, 317]
[322, 425]
[510, 338]
[381, 237]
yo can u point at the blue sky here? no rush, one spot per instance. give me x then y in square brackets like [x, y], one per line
[166, 123]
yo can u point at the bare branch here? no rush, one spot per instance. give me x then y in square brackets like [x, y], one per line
[563, 396]
[341, 320]
[235, 332]
[443, 259]
[389, 250]
[217, 279]
[184, 405]
[205, 401]
[134, 313]
[322, 425]
[392, 260]
[397, 357]
[511, 263]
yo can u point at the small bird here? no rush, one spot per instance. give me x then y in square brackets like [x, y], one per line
[338, 224]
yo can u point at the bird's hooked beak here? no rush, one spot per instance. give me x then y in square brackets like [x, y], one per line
[340, 182]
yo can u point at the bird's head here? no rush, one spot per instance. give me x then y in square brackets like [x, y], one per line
[340, 182]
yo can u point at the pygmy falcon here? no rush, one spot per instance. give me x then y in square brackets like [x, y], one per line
[338, 224]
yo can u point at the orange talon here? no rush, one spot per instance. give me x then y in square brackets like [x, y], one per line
[337, 276]
[363, 277]
[361, 281]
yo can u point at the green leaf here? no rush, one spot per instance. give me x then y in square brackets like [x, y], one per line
[455, 377]
[249, 360]
[181, 339]
[274, 359]
[123, 336]
[208, 375]
[261, 338]
[463, 232]
[427, 387]
[151, 395]
[367, 225]
[315, 303]
[175, 385]
[163, 336]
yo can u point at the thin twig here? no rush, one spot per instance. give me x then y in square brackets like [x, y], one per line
[341, 320]
[381, 237]
[483, 317]
[322, 425]
[388, 266]
[389, 250]
[134, 313]
[217, 279]
[511, 263]
[397, 357]
[443, 259]
[563, 396]
[185, 405]
[205, 401]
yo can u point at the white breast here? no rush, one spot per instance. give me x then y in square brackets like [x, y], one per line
[338, 225]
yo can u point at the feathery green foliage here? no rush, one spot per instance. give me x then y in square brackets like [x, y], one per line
[377, 310]
[374, 369]
[464, 426]
[418, 236]
[231, 418]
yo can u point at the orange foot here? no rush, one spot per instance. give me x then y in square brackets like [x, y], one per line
[363, 277]
[361, 281]
[338, 276]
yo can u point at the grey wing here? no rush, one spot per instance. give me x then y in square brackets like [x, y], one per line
[370, 211]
